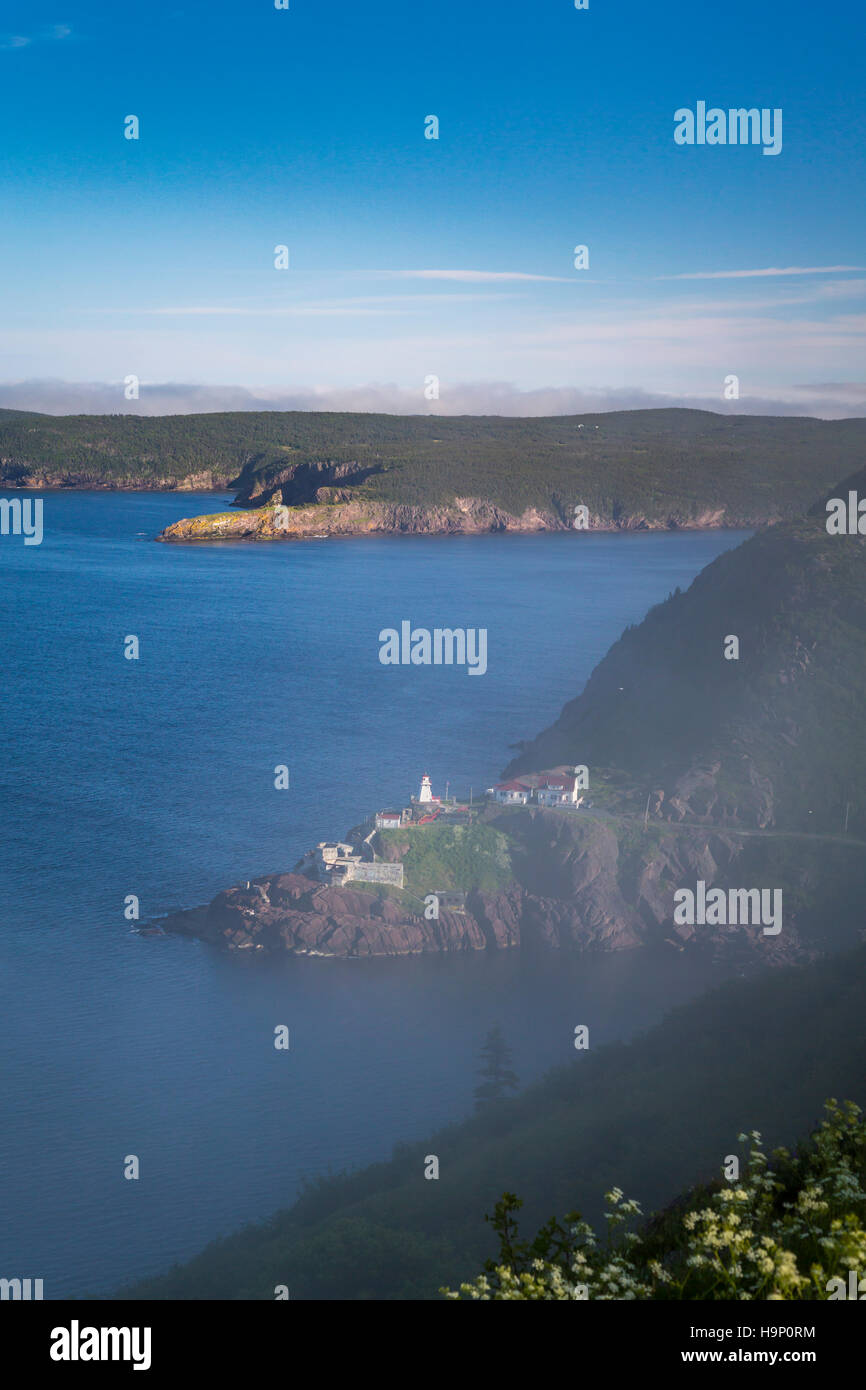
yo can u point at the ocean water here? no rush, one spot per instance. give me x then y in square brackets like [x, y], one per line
[155, 777]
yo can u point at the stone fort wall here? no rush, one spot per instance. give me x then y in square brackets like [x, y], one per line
[376, 873]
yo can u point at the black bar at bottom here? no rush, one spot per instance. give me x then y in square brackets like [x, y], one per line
[61, 1338]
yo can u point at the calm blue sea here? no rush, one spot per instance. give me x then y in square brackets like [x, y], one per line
[155, 777]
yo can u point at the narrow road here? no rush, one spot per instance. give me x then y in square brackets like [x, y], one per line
[675, 826]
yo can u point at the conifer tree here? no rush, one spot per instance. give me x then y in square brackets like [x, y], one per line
[496, 1075]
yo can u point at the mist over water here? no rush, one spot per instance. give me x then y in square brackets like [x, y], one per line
[155, 777]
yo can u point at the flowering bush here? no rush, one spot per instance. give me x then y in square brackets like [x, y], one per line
[789, 1226]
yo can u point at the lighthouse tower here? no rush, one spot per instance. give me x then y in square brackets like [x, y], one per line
[426, 793]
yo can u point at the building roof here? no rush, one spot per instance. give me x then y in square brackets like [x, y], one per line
[512, 787]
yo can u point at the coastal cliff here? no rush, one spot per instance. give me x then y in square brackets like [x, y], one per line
[578, 881]
[730, 772]
[464, 516]
[355, 474]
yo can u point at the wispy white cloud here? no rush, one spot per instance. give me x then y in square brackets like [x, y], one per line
[775, 298]
[50, 33]
[376, 305]
[282, 311]
[476, 277]
[679, 345]
[370, 305]
[760, 274]
[832, 289]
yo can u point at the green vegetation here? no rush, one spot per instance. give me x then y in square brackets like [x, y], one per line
[763, 1053]
[793, 1228]
[657, 463]
[773, 740]
[767, 739]
[670, 466]
[459, 857]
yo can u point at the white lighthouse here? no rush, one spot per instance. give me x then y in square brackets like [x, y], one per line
[426, 792]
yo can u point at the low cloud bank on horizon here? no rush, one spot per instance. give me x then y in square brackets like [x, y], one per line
[827, 400]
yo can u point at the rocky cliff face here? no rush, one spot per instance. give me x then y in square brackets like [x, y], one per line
[287, 912]
[601, 882]
[576, 886]
[739, 774]
[336, 514]
[14, 474]
[300, 483]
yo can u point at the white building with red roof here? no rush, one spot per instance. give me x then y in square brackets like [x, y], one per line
[511, 793]
[557, 789]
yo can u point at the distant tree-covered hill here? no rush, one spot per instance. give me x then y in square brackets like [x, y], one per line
[640, 467]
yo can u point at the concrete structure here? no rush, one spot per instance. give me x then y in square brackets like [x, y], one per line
[329, 853]
[337, 863]
[372, 873]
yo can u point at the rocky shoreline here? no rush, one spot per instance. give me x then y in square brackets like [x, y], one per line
[72, 480]
[465, 516]
[572, 890]
[707, 774]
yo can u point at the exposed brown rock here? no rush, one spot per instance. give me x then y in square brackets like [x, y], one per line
[335, 513]
[575, 890]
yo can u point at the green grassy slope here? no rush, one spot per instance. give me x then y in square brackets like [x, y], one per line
[449, 857]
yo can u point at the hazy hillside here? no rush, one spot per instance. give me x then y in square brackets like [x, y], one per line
[653, 1117]
[775, 739]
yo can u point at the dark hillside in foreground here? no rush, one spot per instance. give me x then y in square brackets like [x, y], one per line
[653, 1117]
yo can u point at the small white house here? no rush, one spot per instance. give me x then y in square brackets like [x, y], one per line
[556, 789]
[511, 794]
[388, 820]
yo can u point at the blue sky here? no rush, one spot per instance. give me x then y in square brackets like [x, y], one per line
[411, 257]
